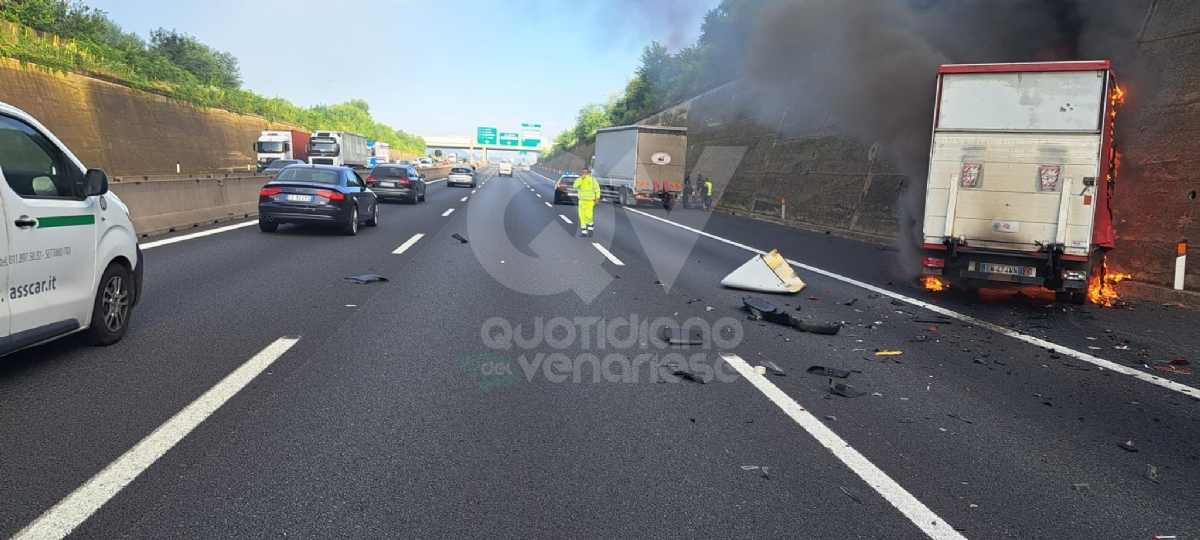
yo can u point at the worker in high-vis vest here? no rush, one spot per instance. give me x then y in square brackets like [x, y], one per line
[588, 190]
[707, 187]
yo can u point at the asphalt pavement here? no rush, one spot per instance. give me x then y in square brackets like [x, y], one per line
[515, 386]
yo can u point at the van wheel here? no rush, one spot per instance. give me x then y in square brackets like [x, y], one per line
[113, 306]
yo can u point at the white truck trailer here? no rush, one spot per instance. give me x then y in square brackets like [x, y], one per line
[339, 148]
[1020, 180]
[640, 163]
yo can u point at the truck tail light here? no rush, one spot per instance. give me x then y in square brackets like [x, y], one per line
[269, 191]
[931, 262]
[1048, 177]
[331, 195]
[970, 174]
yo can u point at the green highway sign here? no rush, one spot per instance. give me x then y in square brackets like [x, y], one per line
[486, 135]
[510, 139]
[531, 135]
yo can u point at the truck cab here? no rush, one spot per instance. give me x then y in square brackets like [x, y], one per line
[1021, 176]
[69, 257]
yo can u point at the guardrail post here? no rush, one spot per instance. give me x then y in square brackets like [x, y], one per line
[1180, 264]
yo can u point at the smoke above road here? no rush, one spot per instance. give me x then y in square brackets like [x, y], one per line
[867, 68]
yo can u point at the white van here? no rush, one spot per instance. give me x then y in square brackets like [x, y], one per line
[506, 169]
[69, 257]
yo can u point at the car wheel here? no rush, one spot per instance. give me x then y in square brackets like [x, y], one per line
[112, 308]
[422, 196]
[267, 226]
[374, 221]
[352, 227]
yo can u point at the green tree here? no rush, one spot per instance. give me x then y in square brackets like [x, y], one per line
[211, 67]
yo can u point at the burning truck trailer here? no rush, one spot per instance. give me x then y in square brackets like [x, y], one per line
[1021, 177]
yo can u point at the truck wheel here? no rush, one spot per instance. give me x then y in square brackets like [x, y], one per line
[113, 305]
[622, 197]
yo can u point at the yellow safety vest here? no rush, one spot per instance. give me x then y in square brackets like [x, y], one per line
[587, 188]
[708, 186]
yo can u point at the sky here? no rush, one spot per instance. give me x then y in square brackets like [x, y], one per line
[431, 67]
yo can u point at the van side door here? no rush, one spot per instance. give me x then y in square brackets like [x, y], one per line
[51, 236]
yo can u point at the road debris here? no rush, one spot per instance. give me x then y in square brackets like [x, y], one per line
[876, 394]
[850, 302]
[814, 298]
[851, 493]
[367, 278]
[694, 300]
[675, 336]
[688, 376]
[888, 353]
[828, 372]
[764, 472]
[897, 303]
[769, 273]
[760, 370]
[763, 310]
[981, 361]
[845, 390]
[1081, 487]
[775, 369]
[959, 418]
[1152, 473]
[458, 237]
[831, 418]
[1173, 369]
[907, 420]
[1128, 445]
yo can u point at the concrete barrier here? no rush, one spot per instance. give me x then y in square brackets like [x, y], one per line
[161, 204]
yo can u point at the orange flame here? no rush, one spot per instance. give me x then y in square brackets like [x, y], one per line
[933, 284]
[1100, 287]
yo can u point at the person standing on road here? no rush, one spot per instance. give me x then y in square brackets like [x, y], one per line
[588, 190]
[707, 190]
[687, 190]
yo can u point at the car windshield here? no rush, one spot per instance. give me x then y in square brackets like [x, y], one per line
[460, 170]
[308, 174]
[390, 172]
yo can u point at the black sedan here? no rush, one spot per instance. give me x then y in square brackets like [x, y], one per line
[321, 194]
[398, 182]
[278, 165]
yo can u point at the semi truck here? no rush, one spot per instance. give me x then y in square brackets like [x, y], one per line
[1021, 177]
[380, 153]
[635, 164]
[339, 148]
[281, 144]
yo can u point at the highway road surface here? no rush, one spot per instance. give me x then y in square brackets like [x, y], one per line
[260, 394]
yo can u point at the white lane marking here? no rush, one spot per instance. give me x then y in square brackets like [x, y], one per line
[544, 178]
[448, 212]
[913, 509]
[74, 509]
[564, 218]
[435, 181]
[474, 190]
[404, 247]
[539, 195]
[167, 241]
[464, 199]
[608, 254]
[1096, 361]
[548, 204]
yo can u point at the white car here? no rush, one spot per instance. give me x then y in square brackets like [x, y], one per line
[424, 163]
[460, 176]
[506, 169]
[70, 258]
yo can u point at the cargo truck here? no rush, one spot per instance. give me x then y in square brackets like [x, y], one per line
[1021, 177]
[339, 148]
[277, 144]
[636, 164]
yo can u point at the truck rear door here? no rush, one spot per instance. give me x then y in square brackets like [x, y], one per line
[1015, 160]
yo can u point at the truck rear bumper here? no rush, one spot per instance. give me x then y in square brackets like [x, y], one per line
[1002, 278]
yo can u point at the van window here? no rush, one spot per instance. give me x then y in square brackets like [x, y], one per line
[33, 166]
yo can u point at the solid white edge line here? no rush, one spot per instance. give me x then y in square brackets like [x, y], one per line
[404, 247]
[920, 515]
[566, 219]
[74, 509]
[448, 212]
[1096, 361]
[168, 241]
[608, 254]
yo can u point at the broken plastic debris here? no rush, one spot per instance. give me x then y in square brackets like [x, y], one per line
[694, 300]
[762, 309]
[831, 418]
[765, 273]
[851, 493]
[831, 372]
[760, 370]
[458, 237]
[1152, 473]
[775, 369]
[889, 353]
[1173, 369]
[850, 302]
[1127, 445]
[366, 278]
[676, 336]
[845, 390]
[876, 394]
[959, 418]
[1082, 487]
[688, 376]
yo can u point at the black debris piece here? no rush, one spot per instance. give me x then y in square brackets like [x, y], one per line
[456, 236]
[775, 369]
[1128, 445]
[981, 361]
[831, 418]
[688, 376]
[959, 418]
[850, 302]
[845, 390]
[828, 372]
[828, 329]
[765, 310]
[851, 493]
[675, 336]
[694, 300]
[367, 278]
[897, 303]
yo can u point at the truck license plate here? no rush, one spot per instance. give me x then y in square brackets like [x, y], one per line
[1008, 270]
[299, 198]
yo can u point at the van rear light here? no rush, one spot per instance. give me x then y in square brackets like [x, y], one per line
[331, 195]
[269, 191]
[931, 262]
[970, 174]
[1048, 177]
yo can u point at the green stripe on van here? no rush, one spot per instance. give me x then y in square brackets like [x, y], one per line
[66, 221]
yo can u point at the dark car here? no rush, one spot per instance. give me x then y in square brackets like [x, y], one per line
[564, 190]
[275, 166]
[397, 182]
[322, 194]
